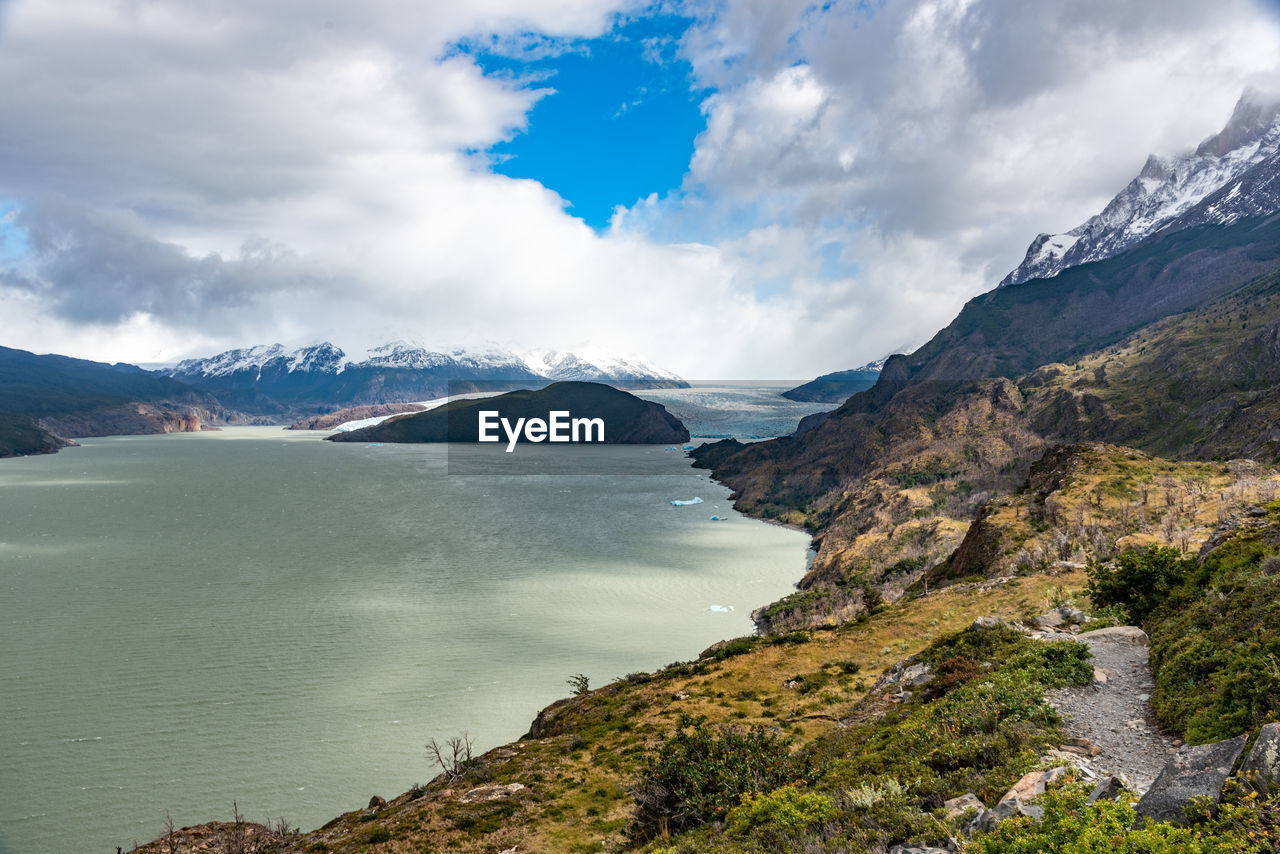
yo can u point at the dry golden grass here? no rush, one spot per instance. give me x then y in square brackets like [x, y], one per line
[576, 798]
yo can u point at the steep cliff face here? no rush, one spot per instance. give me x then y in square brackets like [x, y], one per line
[129, 420]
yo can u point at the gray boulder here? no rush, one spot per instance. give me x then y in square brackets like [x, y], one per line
[963, 804]
[1130, 634]
[1051, 620]
[1108, 789]
[1261, 768]
[1193, 772]
[987, 820]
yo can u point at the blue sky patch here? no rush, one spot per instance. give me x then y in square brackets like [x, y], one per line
[620, 124]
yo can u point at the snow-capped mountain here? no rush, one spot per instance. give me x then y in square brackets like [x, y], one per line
[277, 381]
[598, 367]
[1233, 174]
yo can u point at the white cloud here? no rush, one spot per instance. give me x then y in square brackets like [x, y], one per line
[194, 176]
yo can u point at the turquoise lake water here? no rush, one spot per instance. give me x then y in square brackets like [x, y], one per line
[260, 617]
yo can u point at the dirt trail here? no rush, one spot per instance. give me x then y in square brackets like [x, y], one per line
[1116, 713]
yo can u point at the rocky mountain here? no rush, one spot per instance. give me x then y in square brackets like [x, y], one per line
[286, 384]
[627, 419]
[1233, 175]
[51, 398]
[837, 386]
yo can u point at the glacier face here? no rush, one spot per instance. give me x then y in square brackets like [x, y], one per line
[1231, 175]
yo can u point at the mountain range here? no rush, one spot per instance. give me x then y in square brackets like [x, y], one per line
[46, 400]
[275, 381]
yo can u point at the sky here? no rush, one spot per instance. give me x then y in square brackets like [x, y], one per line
[730, 188]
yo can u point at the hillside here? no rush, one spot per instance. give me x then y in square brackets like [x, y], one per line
[899, 728]
[626, 418]
[47, 397]
[834, 387]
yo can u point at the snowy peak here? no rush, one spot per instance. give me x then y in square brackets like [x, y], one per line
[253, 364]
[1252, 121]
[323, 358]
[596, 366]
[1175, 192]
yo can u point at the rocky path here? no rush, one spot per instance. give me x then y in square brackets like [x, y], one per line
[1115, 711]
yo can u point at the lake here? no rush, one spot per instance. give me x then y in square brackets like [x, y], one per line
[260, 617]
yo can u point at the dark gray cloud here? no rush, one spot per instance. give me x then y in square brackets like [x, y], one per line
[102, 268]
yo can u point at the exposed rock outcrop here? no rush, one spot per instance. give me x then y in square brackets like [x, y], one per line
[1196, 771]
[354, 413]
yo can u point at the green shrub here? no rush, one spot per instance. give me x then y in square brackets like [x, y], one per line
[1070, 826]
[1215, 647]
[1139, 579]
[780, 814]
[699, 773]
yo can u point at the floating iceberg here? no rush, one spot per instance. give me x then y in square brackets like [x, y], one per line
[717, 518]
[689, 447]
[679, 503]
[721, 609]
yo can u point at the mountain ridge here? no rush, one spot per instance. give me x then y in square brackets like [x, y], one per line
[291, 384]
[1172, 193]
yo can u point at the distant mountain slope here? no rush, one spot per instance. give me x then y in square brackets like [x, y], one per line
[627, 419]
[1230, 176]
[285, 384]
[1013, 329]
[1169, 348]
[56, 396]
[837, 386]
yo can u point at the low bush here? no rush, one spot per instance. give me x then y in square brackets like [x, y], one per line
[1071, 826]
[700, 772]
[1139, 580]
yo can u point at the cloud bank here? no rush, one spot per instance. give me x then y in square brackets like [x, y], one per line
[188, 177]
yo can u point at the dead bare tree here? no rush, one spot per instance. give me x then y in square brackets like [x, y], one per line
[455, 757]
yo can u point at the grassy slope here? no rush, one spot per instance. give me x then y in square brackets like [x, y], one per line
[888, 488]
[579, 771]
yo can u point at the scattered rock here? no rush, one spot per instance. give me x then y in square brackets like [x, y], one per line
[990, 623]
[961, 805]
[1050, 620]
[917, 674]
[377, 802]
[481, 794]
[904, 849]
[684, 695]
[1197, 771]
[1081, 746]
[1033, 784]
[1261, 768]
[1112, 717]
[987, 820]
[1107, 789]
[1130, 634]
